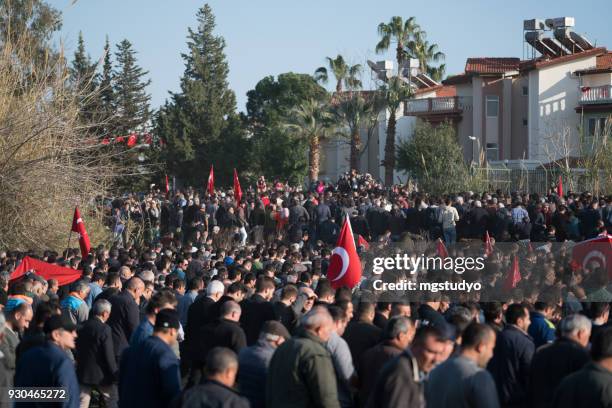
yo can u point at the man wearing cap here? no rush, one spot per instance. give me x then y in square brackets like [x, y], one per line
[49, 365]
[255, 360]
[149, 374]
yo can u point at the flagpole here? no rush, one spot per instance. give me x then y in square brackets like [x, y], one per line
[68, 244]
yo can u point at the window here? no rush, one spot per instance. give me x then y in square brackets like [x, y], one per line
[525, 90]
[525, 122]
[492, 106]
[492, 152]
[596, 126]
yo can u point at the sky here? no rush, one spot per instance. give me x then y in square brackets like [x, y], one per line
[269, 37]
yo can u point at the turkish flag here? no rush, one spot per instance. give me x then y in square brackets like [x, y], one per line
[344, 266]
[167, 185]
[441, 249]
[46, 270]
[106, 141]
[211, 181]
[514, 277]
[237, 188]
[594, 253]
[560, 187]
[78, 226]
[361, 241]
[488, 245]
[120, 139]
[132, 140]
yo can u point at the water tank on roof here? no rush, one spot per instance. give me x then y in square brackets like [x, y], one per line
[533, 24]
[560, 22]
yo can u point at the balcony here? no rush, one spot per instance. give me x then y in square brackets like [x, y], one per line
[596, 95]
[437, 109]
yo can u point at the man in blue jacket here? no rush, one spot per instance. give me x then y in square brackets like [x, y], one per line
[49, 365]
[541, 329]
[149, 374]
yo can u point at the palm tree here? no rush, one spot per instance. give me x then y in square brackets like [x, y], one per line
[353, 112]
[395, 92]
[427, 54]
[311, 121]
[399, 31]
[346, 75]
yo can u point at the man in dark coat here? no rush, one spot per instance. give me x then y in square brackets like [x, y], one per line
[592, 385]
[511, 360]
[49, 365]
[225, 332]
[553, 362]
[97, 367]
[257, 309]
[301, 372]
[397, 335]
[360, 333]
[400, 383]
[125, 314]
[217, 388]
[149, 375]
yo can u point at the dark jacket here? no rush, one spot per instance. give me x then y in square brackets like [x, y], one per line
[255, 312]
[286, 315]
[380, 320]
[361, 336]
[149, 375]
[123, 320]
[95, 355]
[510, 365]
[398, 385]
[370, 366]
[541, 329]
[301, 374]
[550, 365]
[198, 315]
[48, 366]
[222, 333]
[212, 394]
[590, 387]
[253, 365]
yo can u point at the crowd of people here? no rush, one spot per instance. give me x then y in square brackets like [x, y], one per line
[225, 304]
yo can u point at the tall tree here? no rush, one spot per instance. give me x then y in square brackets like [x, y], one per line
[196, 118]
[347, 76]
[130, 89]
[399, 32]
[395, 92]
[106, 94]
[277, 152]
[312, 121]
[354, 112]
[85, 80]
[428, 55]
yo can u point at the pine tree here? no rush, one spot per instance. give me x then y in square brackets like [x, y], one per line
[84, 80]
[199, 122]
[106, 94]
[130, 94]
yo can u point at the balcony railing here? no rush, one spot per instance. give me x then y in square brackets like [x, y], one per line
[596, 94]
[447, 104]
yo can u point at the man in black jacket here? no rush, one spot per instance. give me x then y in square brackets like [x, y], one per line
[97, 367]
[553, 362]
[511, 360]
[125, 314]
[592, 385]
[225, 332]
[257, 309]
[361, 334]
[217, 389]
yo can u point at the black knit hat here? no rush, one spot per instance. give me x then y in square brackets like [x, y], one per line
[167, 319]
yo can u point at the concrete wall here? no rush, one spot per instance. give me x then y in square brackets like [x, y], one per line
[558, 96]
[597, 80]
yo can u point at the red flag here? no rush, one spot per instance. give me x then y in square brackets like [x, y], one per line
[488, 245]
[46, 270]
[148, 139]
[78, 226]
[120, 139]
[560, 187]
[514, 277]
[441, 248]
[211, 181]
[132, 140]
[106, 141]
[344, 266]
[361, 241]
[593, 253]
[167, 185]
[237, 189]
